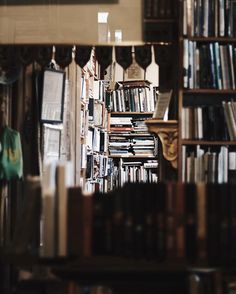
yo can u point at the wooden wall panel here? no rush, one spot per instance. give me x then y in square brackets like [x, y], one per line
[68, 23]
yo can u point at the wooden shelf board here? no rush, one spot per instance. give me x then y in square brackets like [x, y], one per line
[203, 142]
[209, 91]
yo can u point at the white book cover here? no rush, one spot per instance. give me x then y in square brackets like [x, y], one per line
[162, 105]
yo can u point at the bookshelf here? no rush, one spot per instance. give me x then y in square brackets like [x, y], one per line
[159, 21]
[145, 236]
[206, 92]
[94, 149]
[132, 149]
[133, 271]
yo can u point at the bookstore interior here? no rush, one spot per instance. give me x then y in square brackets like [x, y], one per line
[117, 146]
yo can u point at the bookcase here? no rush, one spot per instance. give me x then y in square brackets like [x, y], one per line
[207, 92]
[159, 22]
[131, 147]
[94, 138]
[130, 271]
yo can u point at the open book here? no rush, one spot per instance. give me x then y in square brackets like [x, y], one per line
[162, 105]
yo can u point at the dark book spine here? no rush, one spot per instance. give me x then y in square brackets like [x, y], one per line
[128, 224]
[160, 221]
[148, 8]
[190, 222]
[232, 215]
[211, 18]
[221, 127]
[98, 224]
[205, 118]
[213, 223]
[227, 18]
[170, 221]
[211, 120]
[117, 223]
[85, 225]
[224, 223]
[73, 237]
[201, 221]
[204, 78]
[149, 222]
[107, 199]
[180, 236]
[139, 213]
[233, 18]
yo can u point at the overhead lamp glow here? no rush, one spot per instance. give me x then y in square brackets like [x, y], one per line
[102, 17]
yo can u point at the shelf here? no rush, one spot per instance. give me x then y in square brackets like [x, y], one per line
[134, 83]
[120, 134]
[132, 156]
[159, 20]
[210, 39]
[124, 279]
[130, 113]
[208, 91]
[203, 142]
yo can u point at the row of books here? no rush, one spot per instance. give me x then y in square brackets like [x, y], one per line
[91, 88]
[165, 221]
[188, 222]
[158, 9]
[158, 221]
[97, 168]
[211, 65]
[128, 124]
[139, 99]
[97, 140]
[209, 122]
[133, 145]
[98, 184]
[139, 171]
[207, 18]
[210, 164]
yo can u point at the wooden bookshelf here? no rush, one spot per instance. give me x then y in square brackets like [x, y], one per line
[212, 81]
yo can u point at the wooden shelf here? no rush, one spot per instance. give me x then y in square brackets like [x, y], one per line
[132, 156]
[130, 113]
[129, 135]
[210, 39]
[133, 83]
[159, 20]
[204, 142]
[209, 91]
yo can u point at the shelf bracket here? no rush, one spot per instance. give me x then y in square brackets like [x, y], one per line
[167, 131]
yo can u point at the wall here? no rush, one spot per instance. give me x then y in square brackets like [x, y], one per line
[67, 23]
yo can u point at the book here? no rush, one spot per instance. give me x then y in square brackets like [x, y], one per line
[85, 222]
[162, 104]
[26, 234]
[61, 210]
[48, 237]
[180, 229]
[190, 204]
[201, 221]
[73, 221]
[160, 223]
[170, 215]
[213, 223]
